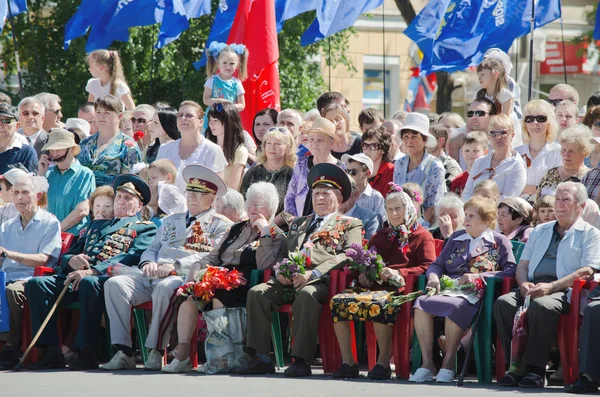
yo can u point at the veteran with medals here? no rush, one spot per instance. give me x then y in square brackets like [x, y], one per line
[181, 240]
[324, 237]
[250, 244]
[122, 241]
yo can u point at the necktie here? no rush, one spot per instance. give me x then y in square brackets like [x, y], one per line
[314, 227]
[29, 141]
[190, 220]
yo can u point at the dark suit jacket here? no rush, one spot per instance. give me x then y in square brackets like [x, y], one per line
[39, 143]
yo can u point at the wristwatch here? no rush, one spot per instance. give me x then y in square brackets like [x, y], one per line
[3, 255]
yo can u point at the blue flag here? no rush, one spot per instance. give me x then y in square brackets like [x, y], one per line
[176, 16]
[597, 25]
[454, 34]
[336, 15]
[16, 7]
[288, 9]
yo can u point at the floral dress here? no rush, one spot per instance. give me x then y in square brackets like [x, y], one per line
[117, 158]
[550, 181]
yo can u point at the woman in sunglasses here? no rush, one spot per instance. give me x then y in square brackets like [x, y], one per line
[575, 147]
[540, 150]
[276, 162]
[592, 121]
[377, 144]
[503, 165]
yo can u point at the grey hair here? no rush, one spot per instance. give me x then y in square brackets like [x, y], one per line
[400, 115]
[291, 112]
[266, 192]
[579, 135]
[149, 110]
[46, 98]
[31, 100]
[39, 183]
[311, 115]
[234, 200]
[450, 201]
[578, 190]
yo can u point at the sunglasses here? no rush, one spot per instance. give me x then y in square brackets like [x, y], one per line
[7, 121]
[283, 130]
[139, 121]
[554, 102]
[478, 113]
[498, 133]
[371, 146]
[539, 119]
[187, 116]
[351, 172]
[27, 114]
[56, 112]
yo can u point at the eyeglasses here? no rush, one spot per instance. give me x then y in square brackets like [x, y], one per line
[554, 102]
[187, 116]
[56, 112]
[351, 172]
[498, 133]
[540, 119]
[371, 146]
[7, 121]
[28, 114]
[139, 121]
[283, 130]
[478, 113]
[596, 125]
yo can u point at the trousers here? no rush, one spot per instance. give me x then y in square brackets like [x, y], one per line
[42, 292]
[266, 298]
[542, 316]
[589, 344]
[121, 293]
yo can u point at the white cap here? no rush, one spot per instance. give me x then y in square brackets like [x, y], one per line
[81, 124]
[359, 158]
[12, 175]
[170, 199]
[420, 123]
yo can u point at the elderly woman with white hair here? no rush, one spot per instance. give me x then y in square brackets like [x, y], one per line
[231, 205]
[450, 215]
[575, 147]
[250, 244]
[27, 241]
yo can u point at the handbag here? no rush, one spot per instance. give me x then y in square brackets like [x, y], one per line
[225, 340]
[4, 310]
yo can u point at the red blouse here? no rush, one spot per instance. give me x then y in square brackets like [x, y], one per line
[420, 252]
[384, 175]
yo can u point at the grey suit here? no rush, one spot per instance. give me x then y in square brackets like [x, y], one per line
[41, 140]
[371, 220]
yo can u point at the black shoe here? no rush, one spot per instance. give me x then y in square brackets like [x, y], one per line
[533, 381]
[298, 369]
[510, 380]
[346, 372]
[50, 361]
[9, 357]
[582, 386]
[379, 373]
[86, 361]
[256, 367]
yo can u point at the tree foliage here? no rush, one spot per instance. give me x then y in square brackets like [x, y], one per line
[47, 67]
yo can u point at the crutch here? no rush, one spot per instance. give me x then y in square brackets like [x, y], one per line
[461, 377]
[46, 320]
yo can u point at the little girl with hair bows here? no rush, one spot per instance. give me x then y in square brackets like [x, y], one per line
[107, 77]
[223, 87]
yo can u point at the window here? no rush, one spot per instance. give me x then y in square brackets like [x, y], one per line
[374, 89]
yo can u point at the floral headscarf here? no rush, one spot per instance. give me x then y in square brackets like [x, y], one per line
[403, 232]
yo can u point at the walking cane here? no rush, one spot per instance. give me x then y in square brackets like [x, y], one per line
[461, 378]
[46, 320]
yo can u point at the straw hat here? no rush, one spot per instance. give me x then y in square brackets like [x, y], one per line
[320, 125]
[59, 139]
[420, 123]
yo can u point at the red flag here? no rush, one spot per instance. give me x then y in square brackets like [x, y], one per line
[254, 26]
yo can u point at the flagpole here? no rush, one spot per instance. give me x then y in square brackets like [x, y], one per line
[15, 43]
[383, 26]
[562, 35]
[531, 50]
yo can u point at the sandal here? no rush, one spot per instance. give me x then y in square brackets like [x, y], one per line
[510, 380]
[532, 381]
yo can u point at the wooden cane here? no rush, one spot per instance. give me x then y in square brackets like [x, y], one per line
[46, 320]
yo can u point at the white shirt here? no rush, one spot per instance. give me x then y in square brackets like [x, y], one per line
[487, 234]
[249, 142]
[207, 154]
[16, 142]
[548, 157]
[95, 87]
[31, 139]
[510, 175]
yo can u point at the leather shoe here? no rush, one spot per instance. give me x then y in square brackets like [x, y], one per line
[298, 369]
[379, 372]
[256, 367]
[8, 358]
[50, 361]
[346, 372]
[582, 386]
[86, 361]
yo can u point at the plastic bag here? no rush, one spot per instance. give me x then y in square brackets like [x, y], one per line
[520, 332]
[225, 341]
[4, 313]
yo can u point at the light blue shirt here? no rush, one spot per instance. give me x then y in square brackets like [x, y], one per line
[40, 236]
[67, 189]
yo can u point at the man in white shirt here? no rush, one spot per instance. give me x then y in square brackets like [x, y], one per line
[32, 116]
[360, 168]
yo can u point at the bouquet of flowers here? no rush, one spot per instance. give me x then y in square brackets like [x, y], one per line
[213, 279]
[367, 261]
[295, 264]
[470, 291]
[396, 299]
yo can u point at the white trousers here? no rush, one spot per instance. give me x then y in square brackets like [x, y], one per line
[121, 293]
